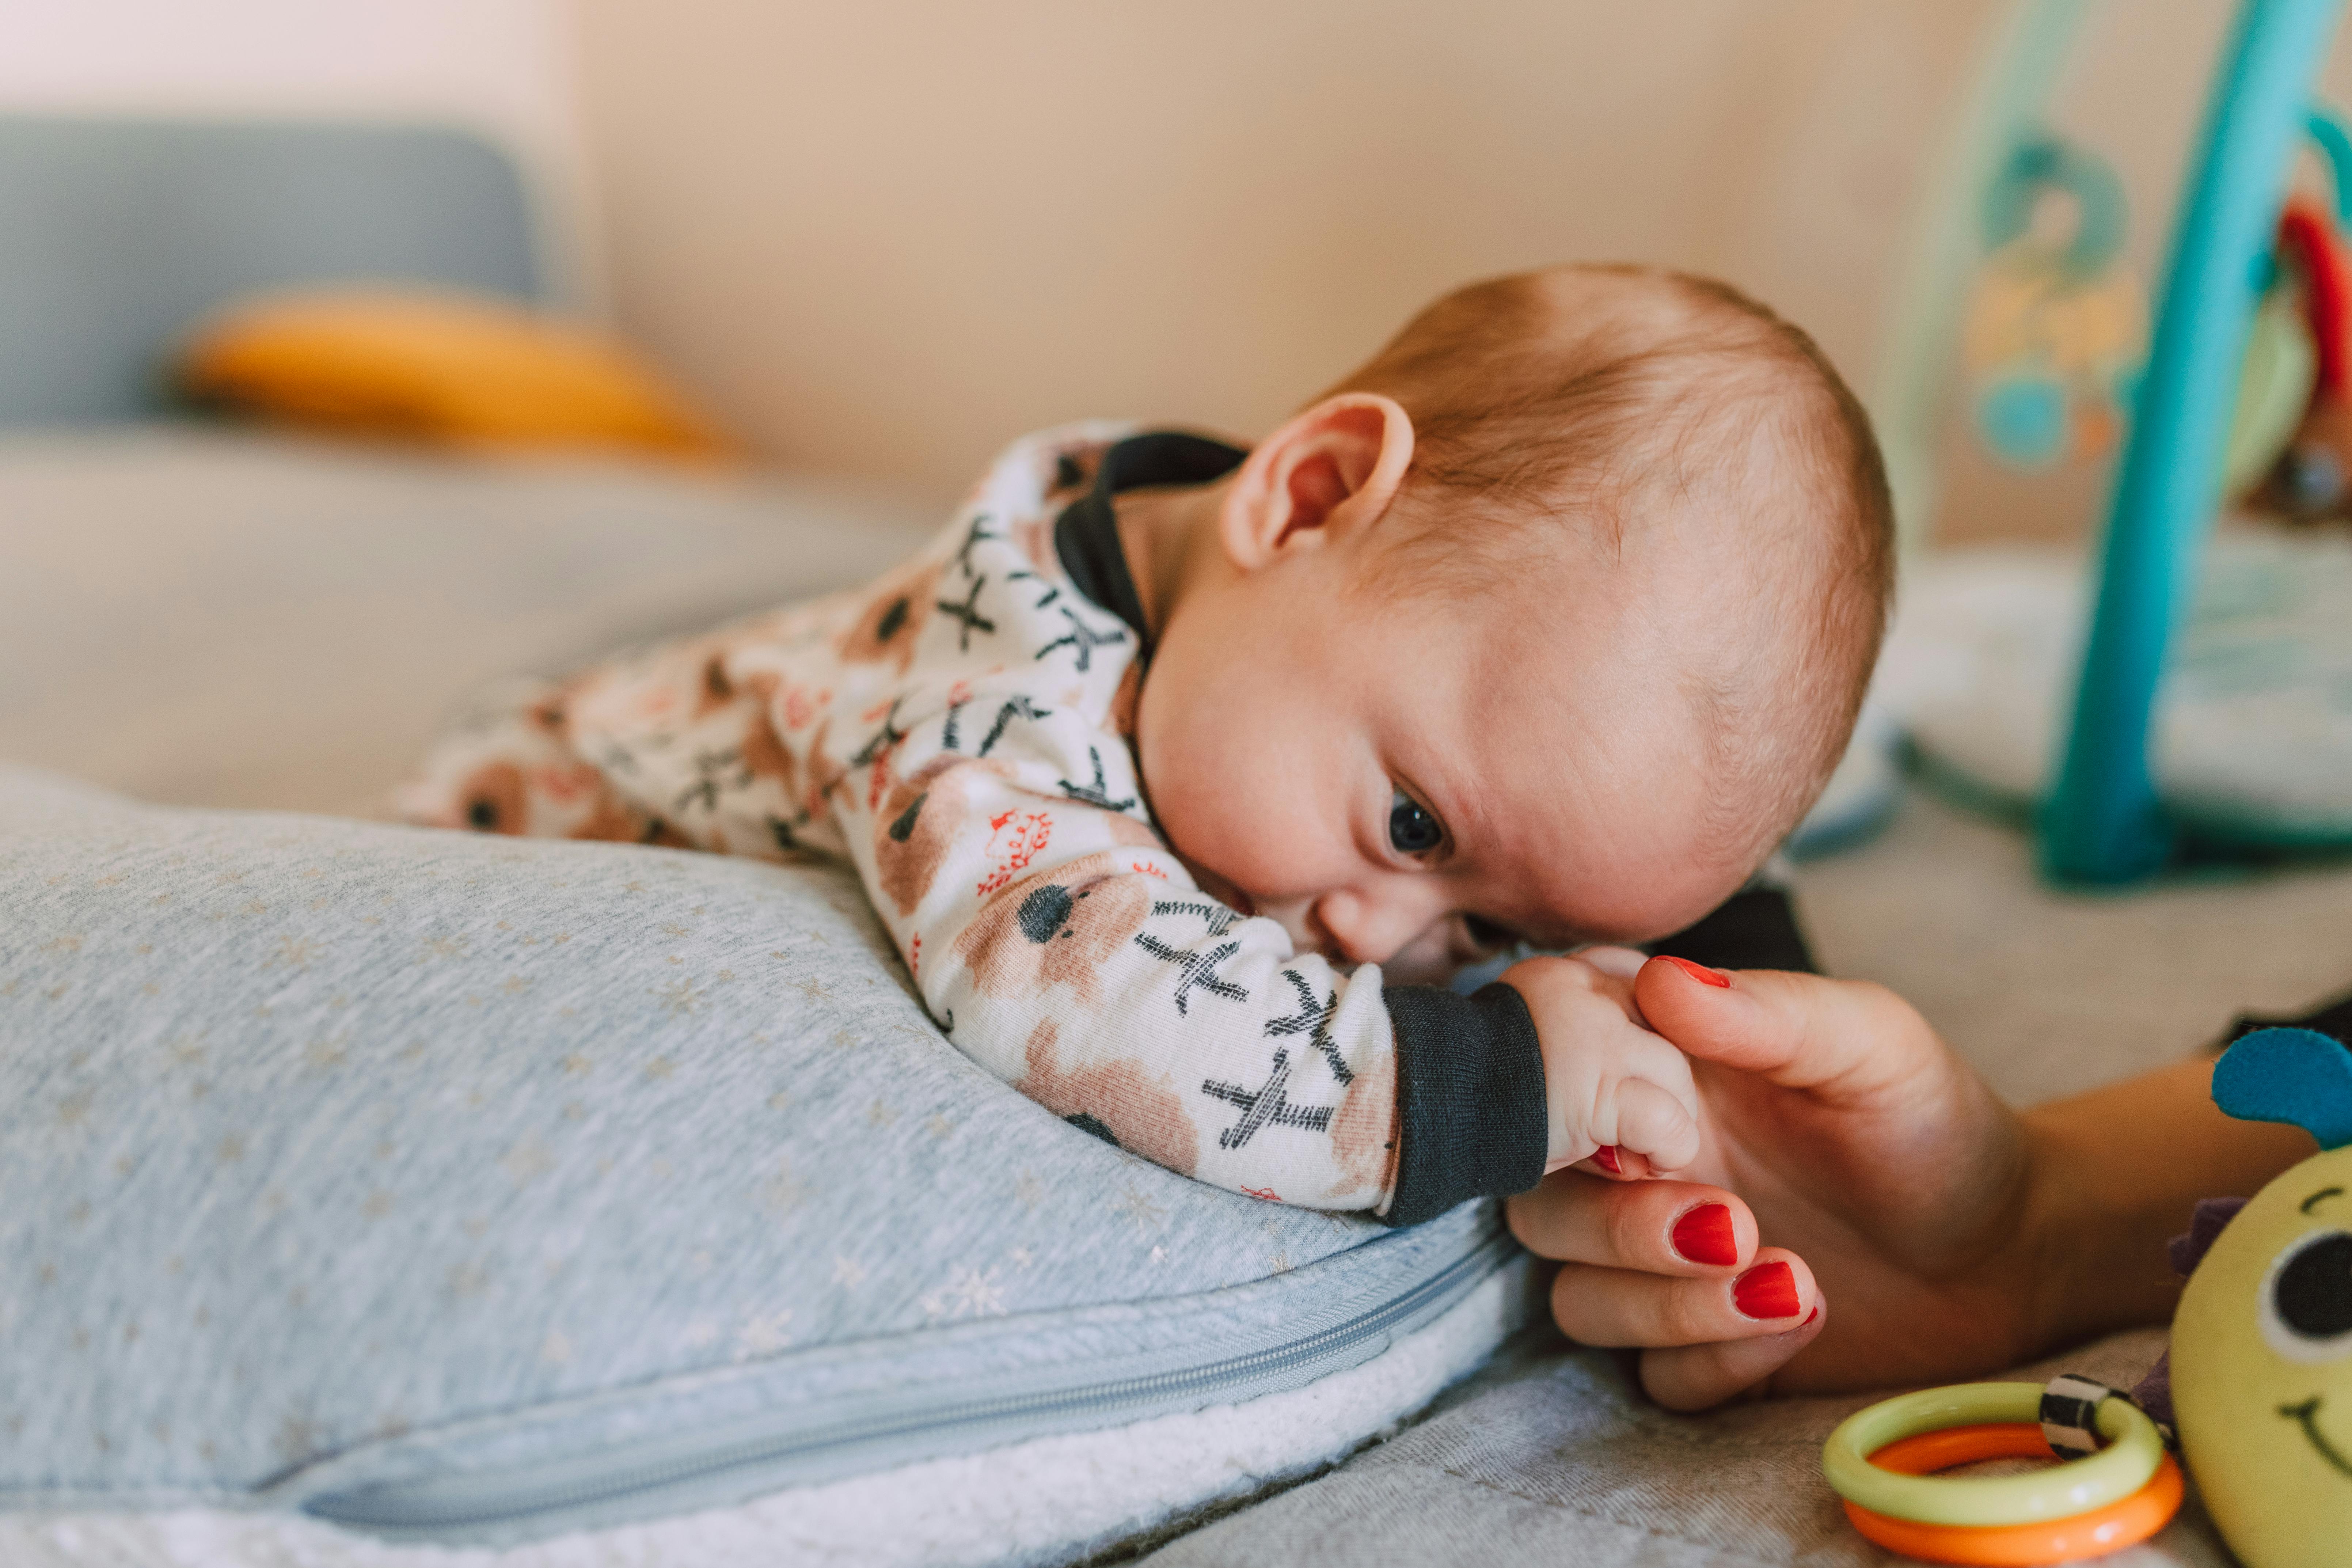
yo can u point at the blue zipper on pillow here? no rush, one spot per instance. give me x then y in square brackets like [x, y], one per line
[468, 1505]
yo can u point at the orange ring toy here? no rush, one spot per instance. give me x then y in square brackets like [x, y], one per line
[2103, 1529]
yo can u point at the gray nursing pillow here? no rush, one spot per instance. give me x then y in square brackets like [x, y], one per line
[469, 1189]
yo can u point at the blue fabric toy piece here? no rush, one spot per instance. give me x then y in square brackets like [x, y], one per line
[2297, 1075]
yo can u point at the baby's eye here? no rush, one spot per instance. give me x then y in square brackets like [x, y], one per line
[1411, 830]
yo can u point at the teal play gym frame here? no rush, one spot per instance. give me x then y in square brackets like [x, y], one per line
[2102, 821]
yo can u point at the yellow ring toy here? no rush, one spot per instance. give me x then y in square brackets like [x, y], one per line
[2133, 1451]
[2092, 1534]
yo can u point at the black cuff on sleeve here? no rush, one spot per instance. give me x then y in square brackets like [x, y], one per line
[1756, 929]
[1471, 1114]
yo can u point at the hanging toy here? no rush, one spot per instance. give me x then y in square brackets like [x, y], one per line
[2286, 367]
[2312, 476]
[2055, 331]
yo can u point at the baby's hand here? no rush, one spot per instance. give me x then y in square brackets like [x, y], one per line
[1619, 1096]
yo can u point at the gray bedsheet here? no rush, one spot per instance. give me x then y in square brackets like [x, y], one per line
[217, 617]
[1552, 1456]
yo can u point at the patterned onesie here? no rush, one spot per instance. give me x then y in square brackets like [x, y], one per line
[958, 732]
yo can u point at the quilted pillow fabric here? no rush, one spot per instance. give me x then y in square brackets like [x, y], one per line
[321, 1138]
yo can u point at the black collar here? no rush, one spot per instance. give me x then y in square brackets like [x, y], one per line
[1086, 536]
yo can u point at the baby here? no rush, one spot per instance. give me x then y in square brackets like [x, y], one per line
[1182, 773]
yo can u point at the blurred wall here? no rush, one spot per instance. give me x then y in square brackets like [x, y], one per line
[503, 67]
[887, 237]
[884, 238]
[881, 238]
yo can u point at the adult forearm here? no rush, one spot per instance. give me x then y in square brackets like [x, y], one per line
[2117, 1171]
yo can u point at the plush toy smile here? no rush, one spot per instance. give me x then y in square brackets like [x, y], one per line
[2307, 1413]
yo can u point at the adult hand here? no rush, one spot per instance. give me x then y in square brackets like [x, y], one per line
[1888, 1175]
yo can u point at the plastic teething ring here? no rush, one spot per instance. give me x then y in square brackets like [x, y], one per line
[2104, 1529]
[2061, 1492]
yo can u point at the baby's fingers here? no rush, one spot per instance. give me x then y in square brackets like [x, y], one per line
[1620, 1307]
[1655, 1123]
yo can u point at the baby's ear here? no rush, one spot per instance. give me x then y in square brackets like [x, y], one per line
[1327, 476]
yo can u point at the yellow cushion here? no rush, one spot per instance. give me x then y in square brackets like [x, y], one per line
[437, 367]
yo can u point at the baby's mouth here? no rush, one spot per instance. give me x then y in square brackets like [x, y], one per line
[2307, 1415]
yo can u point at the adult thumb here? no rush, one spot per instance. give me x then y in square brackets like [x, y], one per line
[1798, 1030]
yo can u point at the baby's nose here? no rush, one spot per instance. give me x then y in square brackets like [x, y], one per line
[1361, 928]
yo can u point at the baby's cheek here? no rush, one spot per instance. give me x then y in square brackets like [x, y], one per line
[1205, 800]
[1234, 785]
[1250, 841]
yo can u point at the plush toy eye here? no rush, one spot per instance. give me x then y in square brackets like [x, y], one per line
[2307, 1305]
[1411, 830]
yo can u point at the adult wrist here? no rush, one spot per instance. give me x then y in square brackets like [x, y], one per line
[2056, 1249]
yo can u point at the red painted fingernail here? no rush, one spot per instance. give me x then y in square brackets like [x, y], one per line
[1766, 1291]
[1811, 1316]
[1606, 1157]
[1704, 1236]
[1699, 972]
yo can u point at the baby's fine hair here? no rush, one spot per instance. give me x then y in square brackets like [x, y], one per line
[1606, 397]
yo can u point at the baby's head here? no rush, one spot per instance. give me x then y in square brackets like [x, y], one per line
[1551, 620]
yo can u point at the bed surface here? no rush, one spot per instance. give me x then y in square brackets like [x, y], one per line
[214, 617]
[225, 619]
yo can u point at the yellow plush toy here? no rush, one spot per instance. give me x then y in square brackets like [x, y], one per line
[2262, 1346]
